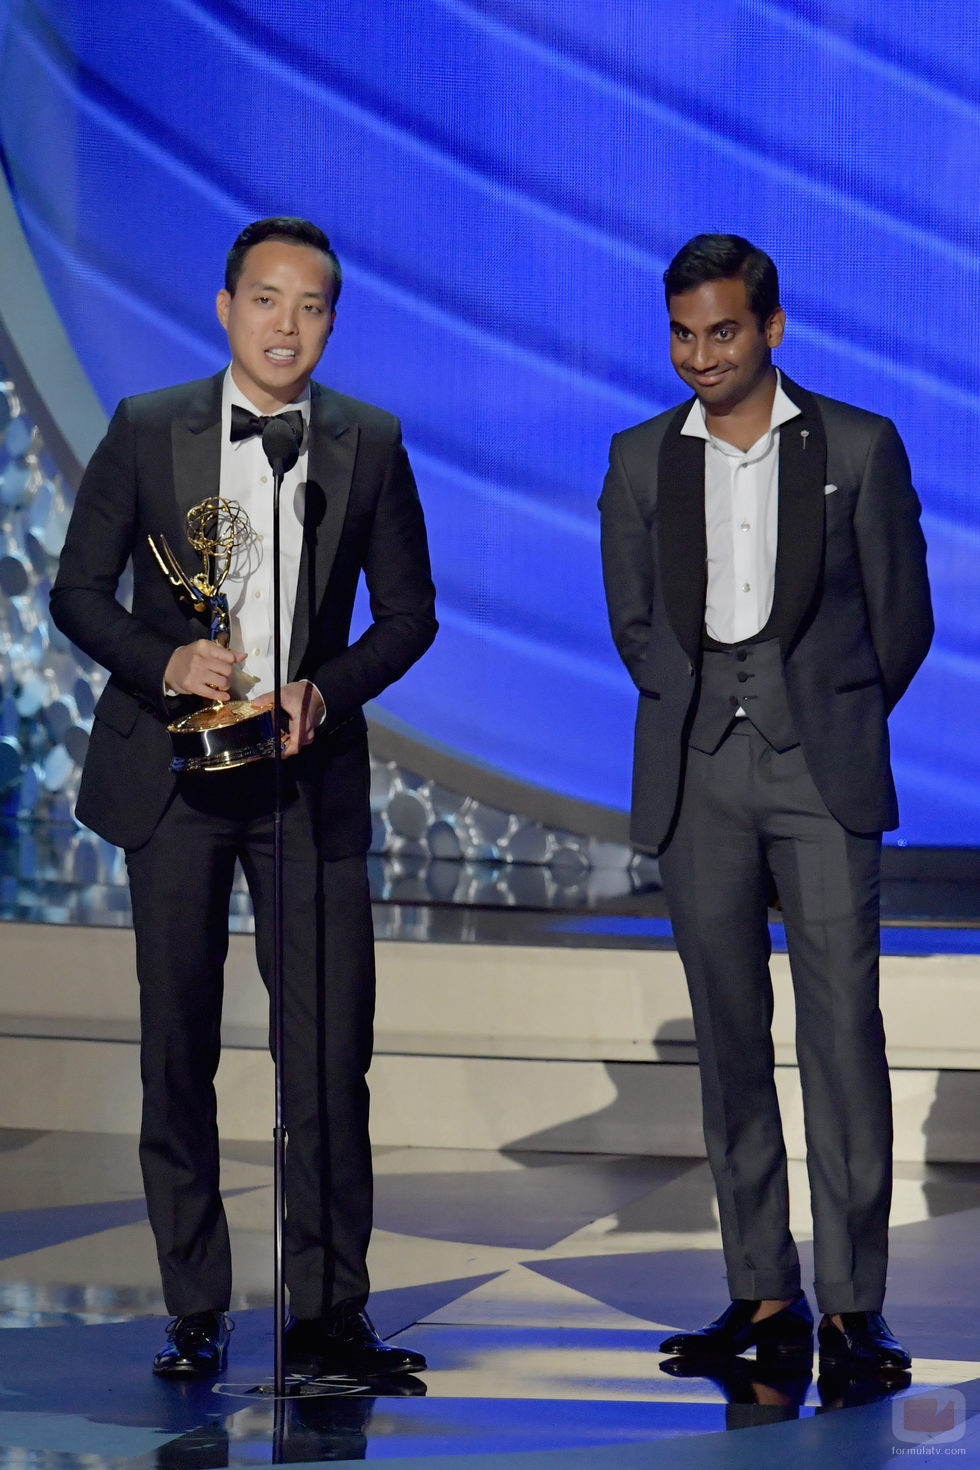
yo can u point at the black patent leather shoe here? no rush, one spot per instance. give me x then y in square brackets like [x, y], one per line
[196, 1347]
[344, 1343]
[866, 1343]
[786, 1335]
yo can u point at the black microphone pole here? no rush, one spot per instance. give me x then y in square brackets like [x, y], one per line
[282, 451]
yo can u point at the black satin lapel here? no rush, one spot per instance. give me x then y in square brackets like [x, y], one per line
[333, 449]
[681, 533]
[799, 553]
[196, 447]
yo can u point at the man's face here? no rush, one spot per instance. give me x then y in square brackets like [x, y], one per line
[717, 346]
[278, 321]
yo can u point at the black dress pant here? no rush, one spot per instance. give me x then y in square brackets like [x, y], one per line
[749, 811]
[181, 882]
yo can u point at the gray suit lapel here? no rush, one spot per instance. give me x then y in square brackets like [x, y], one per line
[330, 470]
[799, 555]
[681, 532]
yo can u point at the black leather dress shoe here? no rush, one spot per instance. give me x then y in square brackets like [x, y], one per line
[865, 1344]
[197, 1346]
[344, 1343]
[787, 1334]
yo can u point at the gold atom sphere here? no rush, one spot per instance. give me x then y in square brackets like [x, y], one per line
[216, 526]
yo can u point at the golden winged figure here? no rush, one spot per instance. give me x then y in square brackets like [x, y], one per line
[215, 529]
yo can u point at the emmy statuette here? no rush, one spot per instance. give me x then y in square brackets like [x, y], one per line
[219, 736]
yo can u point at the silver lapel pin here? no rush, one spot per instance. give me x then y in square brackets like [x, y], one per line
[804, 435]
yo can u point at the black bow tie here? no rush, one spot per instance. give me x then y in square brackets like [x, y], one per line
[245, 424]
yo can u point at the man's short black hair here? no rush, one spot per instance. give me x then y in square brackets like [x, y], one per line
[280, 227]
[720, 258]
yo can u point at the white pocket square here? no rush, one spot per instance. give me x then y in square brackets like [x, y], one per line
[829, 489]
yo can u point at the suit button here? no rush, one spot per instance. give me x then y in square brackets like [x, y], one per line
[742, 655]
[743, 678]
[733, 700]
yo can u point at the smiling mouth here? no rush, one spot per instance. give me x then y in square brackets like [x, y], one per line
[280, 354]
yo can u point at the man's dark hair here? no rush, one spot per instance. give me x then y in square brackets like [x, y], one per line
[279, 227]
[720, 258]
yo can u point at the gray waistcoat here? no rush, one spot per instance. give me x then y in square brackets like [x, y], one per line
[749, 675]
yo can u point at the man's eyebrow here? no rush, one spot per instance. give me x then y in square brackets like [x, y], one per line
[728, 321]
[266, 286]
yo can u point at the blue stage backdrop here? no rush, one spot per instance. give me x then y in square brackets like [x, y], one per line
[505, 181]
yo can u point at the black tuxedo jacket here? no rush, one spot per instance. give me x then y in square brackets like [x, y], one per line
[851, 605]
[160, 456]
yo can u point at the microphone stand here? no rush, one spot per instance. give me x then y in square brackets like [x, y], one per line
[279, 1131]
[282, 452]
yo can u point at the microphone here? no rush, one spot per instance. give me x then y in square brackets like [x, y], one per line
[281, 445]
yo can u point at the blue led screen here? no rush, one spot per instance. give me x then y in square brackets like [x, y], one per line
[505, 182]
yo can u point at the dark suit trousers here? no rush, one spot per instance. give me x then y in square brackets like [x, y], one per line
[748, 810]
[180, 883]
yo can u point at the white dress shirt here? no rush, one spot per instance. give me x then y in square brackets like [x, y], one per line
[246, 477]
[741, 511]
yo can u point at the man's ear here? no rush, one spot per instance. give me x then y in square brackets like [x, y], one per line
[222, 305]
[775, 327]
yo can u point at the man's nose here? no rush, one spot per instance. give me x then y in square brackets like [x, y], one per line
[287, 323]
[702, 353]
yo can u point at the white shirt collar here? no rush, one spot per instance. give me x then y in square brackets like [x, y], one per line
[783, 409]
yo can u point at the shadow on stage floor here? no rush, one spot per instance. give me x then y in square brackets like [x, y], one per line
[537, 1285]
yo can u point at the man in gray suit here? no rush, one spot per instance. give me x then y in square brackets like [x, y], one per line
[766, 580]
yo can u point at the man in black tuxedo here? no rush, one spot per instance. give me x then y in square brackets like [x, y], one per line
[766, 581]
[350, 505]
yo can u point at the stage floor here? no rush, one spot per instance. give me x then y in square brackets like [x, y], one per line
[537, 1285]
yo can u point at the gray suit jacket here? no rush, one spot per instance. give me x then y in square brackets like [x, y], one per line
[160, 456]
[851, 605]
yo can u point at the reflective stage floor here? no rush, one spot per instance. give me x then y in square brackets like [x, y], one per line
[537, 1285]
